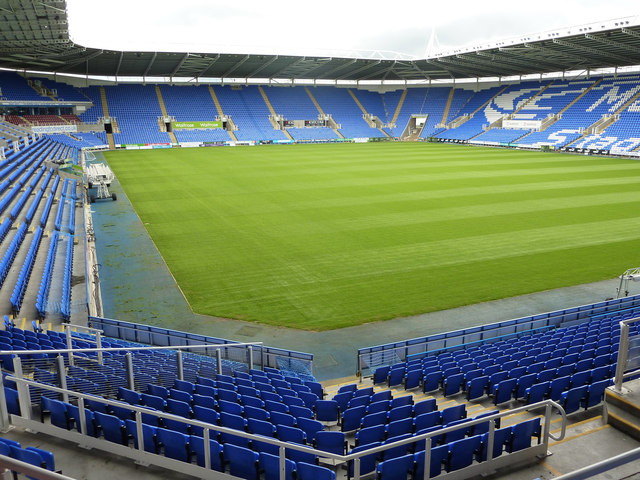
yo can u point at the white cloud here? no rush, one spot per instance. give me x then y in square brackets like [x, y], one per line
[294, 27]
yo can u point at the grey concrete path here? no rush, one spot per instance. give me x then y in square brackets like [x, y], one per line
[138, 287]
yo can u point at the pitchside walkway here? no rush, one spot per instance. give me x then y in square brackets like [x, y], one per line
[138, 287]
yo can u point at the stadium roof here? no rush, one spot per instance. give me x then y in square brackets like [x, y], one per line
[34, 36]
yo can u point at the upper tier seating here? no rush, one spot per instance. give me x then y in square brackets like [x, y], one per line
[249, 112]
[137, 111]
[604, 99]
[15, 87]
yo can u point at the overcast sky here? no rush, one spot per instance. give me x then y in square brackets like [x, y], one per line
[298, 27]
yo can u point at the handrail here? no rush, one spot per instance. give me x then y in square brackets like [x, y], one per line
[32, 471]
[340, 459]
[125, 349]
[557, 318]
[623, 352]
[602, 466]
[487, 341]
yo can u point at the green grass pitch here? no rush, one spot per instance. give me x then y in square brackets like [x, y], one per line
[320, 237]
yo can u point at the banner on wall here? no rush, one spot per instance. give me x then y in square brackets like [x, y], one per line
[208, 125]
[54, 129]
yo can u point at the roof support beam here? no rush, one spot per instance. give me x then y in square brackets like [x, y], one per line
[451, 70]
[465, 68]
[480, 60]
[235, 67]
[592, 51]
[336, 69]
[633, 33]
[507, 58]
[210, 63]
[119, 63]
[262, 67]
[179, 66]
[290, 65]
[611, 43]
[69, 66]
[562, 56]
[376, 73]
[358, 70]
[153, 59]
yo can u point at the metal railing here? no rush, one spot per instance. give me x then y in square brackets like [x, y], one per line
[628, 353]
[61, 362]
[25, 420]
[9, 464]
[263, 356]
[603, 466]
[520, 326]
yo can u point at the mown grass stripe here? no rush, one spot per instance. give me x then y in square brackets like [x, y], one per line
[327, 236]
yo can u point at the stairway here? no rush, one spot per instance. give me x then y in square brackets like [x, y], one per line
[165, 114]
[456, 122]
[271, 109]
[623, 409]
[364, 111]
[396, 114]
[321, 111]
[525, 103]
[447, 107]
[221, 114]
[602, 126]
[105, 113]
[587, 90]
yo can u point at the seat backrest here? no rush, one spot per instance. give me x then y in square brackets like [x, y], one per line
[149, 433]
[260, 427]
[243, 462]
[427, 420]
[270, 465]
[367, 462]
[352, 417]
[400, 427]
[424, 406]
[281, 418]
[112, 427]
[310, 427]
[396, 468]
[196, 444]
[522, 433]
[291, 434]
[308, 471]
[456, 412]
[341, 400]
[330, 441]
[372, 434]
[157, 390]
[400, 413]
[230, 420]
[327, 410]
[205, 414]
[462, 452]
[439, 457]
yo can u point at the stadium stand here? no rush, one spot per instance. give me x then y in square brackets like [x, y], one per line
[250, 114]
[137, 110]
[171, 403]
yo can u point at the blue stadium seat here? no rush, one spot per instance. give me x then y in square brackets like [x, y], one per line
[270, 465]
[396, 468]
[243, 462]
[308, 471]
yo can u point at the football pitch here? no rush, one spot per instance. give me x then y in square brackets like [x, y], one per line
[320, 237]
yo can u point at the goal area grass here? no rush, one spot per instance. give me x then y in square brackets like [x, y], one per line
[326, 236]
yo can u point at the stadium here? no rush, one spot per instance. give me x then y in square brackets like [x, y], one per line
[267, 266]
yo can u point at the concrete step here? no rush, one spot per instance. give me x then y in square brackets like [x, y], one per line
[623, 408]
